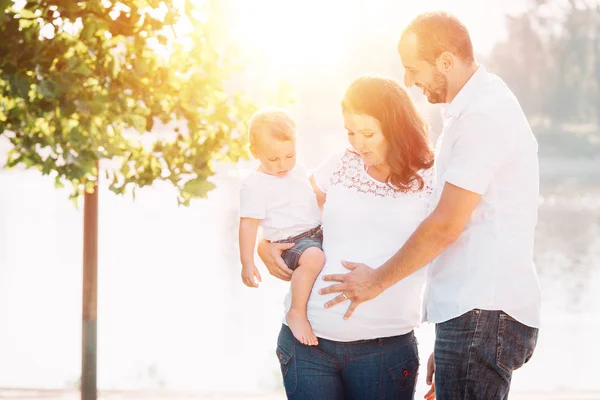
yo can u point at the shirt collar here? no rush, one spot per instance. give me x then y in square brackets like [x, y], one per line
[460, 101]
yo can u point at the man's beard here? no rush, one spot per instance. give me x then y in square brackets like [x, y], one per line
[438, 91]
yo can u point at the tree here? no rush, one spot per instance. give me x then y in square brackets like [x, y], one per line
[74, 76]
[522, 61]
[84, 81]
[552, 58]
[576, 87]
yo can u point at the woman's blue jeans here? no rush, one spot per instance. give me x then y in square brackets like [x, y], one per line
[384, 368]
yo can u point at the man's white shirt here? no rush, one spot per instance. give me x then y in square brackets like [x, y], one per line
[487, 147]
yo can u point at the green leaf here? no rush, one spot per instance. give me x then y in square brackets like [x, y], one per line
[140, 66]
[25, 13]
[58, 183]
[47, 88]
[139, 123]
[198, 187]
[82, 69]
[75, 199]
[20, 85]
[89, 30]
[48, 166]
[141, 3]
[14, 162]
[149, 122]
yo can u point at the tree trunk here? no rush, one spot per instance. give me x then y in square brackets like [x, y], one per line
[90, 295]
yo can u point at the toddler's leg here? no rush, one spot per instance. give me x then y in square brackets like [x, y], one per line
[309, 266]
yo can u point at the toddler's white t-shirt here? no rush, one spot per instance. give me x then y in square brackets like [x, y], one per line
[285, 205]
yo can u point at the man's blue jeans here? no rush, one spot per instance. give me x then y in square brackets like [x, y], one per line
[383, 368]
[476, 353]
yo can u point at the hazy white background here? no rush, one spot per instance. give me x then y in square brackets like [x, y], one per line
[173, 311]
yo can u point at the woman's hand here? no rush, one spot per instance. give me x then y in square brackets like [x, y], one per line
[270, 254]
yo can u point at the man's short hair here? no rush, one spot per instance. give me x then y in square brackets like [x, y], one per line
[440, 31]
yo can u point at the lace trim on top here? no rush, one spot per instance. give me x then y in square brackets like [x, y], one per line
[350, 174]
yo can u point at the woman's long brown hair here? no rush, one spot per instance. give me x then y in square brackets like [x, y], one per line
[402, 126]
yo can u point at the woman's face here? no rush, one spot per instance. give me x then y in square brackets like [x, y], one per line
[366, 137]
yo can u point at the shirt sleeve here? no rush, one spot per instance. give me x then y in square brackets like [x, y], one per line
[429, 178]
[252, 201]
[482, 146]
[324, 172]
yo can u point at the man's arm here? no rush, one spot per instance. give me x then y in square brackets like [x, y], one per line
[440, 229]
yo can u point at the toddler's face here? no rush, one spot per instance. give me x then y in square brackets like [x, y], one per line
[277, 157]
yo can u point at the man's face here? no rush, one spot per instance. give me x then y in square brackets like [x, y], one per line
[421, 73]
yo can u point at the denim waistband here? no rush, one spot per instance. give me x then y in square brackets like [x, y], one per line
[374, 343]
[360, 346]
[309, 233]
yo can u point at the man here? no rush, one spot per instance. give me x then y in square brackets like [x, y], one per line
[483, 292]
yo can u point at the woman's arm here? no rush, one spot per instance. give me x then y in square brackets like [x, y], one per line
[321, 196]
[270, 254]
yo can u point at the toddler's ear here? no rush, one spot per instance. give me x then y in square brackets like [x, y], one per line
[253, 151]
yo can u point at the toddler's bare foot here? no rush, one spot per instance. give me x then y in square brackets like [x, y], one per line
[300, 327]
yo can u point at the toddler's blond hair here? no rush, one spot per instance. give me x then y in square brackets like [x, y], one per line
[272, 121]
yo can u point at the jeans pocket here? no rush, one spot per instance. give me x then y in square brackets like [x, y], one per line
[516, 343]
[405, 374]
[288, 369]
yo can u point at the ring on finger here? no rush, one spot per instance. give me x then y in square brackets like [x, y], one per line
[344, 296]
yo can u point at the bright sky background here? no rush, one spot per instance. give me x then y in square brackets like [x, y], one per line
[289, 32]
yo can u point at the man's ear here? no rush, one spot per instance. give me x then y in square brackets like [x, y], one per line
[445, 62]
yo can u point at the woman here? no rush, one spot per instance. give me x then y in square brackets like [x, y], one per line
[373, 197]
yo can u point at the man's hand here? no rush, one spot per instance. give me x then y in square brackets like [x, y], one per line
[430, 395]
[358, 286]
[270, 254]
[251, 276]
